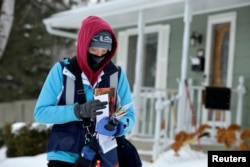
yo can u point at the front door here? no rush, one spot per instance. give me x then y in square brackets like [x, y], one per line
[219, 70]
[219, 63]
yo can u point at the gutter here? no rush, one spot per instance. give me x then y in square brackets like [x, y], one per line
[58, 32]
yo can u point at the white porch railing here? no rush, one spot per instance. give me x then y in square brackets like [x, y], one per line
[157, 118]
[153, 125]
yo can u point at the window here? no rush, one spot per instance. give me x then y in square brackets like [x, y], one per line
[155, 55]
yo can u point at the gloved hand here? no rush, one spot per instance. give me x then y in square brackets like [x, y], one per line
[110, 126]
[89, 109]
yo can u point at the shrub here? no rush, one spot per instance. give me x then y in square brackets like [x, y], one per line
[25, 141]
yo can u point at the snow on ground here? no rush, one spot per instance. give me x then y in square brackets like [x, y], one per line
[187, 158]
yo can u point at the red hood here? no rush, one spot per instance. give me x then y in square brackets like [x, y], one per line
[91, 26]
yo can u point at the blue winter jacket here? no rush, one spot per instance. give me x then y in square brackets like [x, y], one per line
[67, 139]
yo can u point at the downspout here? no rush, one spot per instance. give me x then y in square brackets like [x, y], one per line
[138, 70]
[181, 105]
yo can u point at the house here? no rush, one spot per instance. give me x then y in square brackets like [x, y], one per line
[165, 43]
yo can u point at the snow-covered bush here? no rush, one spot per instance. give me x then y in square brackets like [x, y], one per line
[22, 139]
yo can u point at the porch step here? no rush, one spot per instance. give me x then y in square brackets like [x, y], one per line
[144, 147]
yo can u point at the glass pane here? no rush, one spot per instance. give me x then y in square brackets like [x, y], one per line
[149, 64]
[224, 62]
[150, 51]
[131, 60]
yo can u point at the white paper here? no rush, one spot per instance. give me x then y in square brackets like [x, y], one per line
[107, 143]
[105, 111]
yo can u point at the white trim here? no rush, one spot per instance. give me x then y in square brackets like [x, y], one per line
[122, 51]
[217, 19]
[162, 57]
[162, 51]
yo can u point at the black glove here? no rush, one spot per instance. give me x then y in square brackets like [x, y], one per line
[89, 109]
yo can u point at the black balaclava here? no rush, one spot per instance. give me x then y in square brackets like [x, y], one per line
[95, 61]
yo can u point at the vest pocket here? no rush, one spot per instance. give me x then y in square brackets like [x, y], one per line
[66, 137]
[64, 142]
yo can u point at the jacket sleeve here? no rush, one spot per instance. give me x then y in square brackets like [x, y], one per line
[46, 109]
[125, 97]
